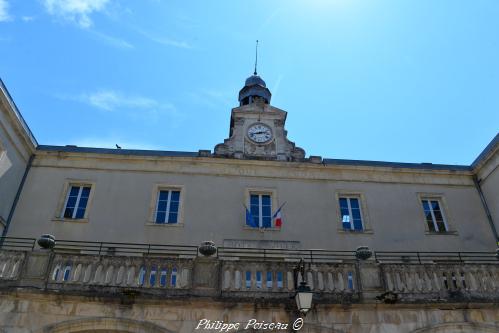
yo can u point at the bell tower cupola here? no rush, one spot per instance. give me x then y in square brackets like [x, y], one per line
[257, 128]
[254, 90]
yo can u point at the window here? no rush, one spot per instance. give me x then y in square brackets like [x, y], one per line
[67, 272]
[76, 202]
[279, 280]
[434, 215]
[167, 206]
[142, 276]
[259, 279]
[173, 278]
[350, 213]
[350, 280]
[162, 277]
[269, 279]
[261, 210]
[152, 276]
[248, 279]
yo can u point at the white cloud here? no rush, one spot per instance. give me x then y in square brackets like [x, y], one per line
[214, 99]
[110, 100]
[4, 11]
[27, 18]
[277, 84]
[165, 40]
[113, 41]
[78, 11]
[135, 107]
[170, 42]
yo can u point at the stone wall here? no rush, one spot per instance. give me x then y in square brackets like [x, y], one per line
[122, 203]
[16, 146]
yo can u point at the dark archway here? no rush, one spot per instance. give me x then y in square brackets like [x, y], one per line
[103, 325]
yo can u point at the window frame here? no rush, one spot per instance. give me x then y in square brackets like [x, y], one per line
[61, 206]
[274, 205]
[151, 221]
[77, 203]
[364, 214]
[444, 210]
[350, 214]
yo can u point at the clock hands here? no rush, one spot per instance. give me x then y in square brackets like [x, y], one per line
[259, 133]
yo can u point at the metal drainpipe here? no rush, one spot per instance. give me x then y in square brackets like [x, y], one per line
[486, 207]
[16, 199]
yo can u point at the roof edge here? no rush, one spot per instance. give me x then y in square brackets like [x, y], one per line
[486, 153]
[426, 166]
[325, 162]
[113, 151]
[18, 114]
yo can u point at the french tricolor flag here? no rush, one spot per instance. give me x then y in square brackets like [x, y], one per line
[278, 217]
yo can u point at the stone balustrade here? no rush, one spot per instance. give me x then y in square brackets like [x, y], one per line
[347, 281]
[121, 271]
[10, 264]
[438, 281]
[277, 276]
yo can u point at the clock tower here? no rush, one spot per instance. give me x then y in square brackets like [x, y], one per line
[257, 128]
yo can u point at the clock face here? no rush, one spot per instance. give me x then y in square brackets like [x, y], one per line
[259, 133]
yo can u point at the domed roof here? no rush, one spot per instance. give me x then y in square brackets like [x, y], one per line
[254, 80]
[253, 90]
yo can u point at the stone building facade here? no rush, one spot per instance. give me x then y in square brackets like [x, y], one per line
[128, 223]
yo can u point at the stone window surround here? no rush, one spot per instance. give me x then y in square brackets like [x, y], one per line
[364, 213]
[59, 213]
[443, 208]
[151, 221]
[275, 204]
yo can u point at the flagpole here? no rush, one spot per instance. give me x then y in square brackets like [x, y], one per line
[279, 209]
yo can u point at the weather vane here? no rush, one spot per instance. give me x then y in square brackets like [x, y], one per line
[256, 56]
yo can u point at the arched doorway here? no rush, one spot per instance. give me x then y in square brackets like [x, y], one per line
[103, 325]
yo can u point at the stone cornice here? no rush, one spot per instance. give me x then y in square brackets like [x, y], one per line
[188, 164]
[488, 160]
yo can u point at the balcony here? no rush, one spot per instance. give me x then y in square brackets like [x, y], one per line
[336, 277]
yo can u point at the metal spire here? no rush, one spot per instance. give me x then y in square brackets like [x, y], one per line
[256, 57]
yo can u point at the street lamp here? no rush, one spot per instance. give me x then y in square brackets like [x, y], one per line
[303, 296]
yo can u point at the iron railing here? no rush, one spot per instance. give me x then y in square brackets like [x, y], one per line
[408, 257]
[17, 243]
[233, 253]
[125, 249]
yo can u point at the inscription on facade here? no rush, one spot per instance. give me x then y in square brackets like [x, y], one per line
[267, 244]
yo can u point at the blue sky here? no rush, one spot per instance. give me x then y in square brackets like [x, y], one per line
[409, 81]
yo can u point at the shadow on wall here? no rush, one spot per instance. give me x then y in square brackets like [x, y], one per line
[104, 324]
